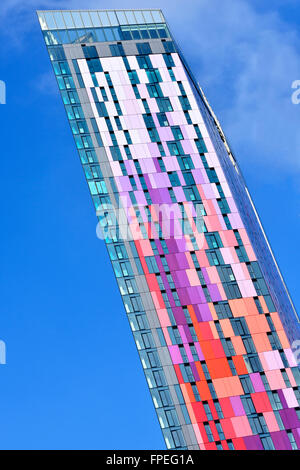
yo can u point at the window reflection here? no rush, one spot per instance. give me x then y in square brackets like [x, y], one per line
[79, 35]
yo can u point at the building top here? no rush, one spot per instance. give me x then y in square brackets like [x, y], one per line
[74, 19]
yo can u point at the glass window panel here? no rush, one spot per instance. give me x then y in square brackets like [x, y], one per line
[100, 35]
[77, 19]
[86, 19]
[81, 35]
[90, 36]
[136, 33]
[130, 17]
[59, 20]
[95, 18]
[73, 35]
[55, 37]
[50, 20]
[126, 34]
[104, 18]
[68, 19]
[157, 16]
[109, 34]
[139, 17]
[162, 32]
[148, 17]
[64, 36]
[117, 33]
[144, 33]
[153, 32]
[121, 17]
[48, 39]
[42, 21]
[113, 18]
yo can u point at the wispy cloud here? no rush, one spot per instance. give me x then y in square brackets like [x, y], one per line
[246, 58]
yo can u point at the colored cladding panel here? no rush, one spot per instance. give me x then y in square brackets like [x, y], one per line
[203, 298]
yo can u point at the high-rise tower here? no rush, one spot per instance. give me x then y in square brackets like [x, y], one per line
[209, 310]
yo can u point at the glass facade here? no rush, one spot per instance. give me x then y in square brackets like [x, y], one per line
[210, 314]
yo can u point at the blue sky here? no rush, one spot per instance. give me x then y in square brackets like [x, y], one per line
[73, 378]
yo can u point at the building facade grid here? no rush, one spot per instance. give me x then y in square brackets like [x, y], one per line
[210, 314]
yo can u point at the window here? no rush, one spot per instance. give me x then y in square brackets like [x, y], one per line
[275, 400]
[212, 176]
[214, 257]
[214, 241]
[178, 438]
[220, 431]
[162, 119]
[185, 104]
[186, 163]
[196, 393]
[232, 367]
[286, 378]
[261, 287]
[118, 123]
[154, 90]
[219, 410]
[232, 290]
[249, 345]
[248, 405]
[154, 76]
[223, 310]
[239, 326]
[103, 92]
[94, 65]
[165, 397]
[247, 384]
[144, 62]
[133, 77]
[256, 425]
[292, 440]
[188, 118]
[143, 48]
[151, 264]
[190, 194]
[128, 138]
[267, 443]
[183, 354]
[209, 433]
[177, 132]
[168, 60]
[116, 50]
[161, 164]
[90, 52]
[147, 109]
[208, 412]
[174, 178]
[101, 108]
[265, 381]
[274, 340]
[136, 92]
[169, 46]
[159, 379]
[153, 134]
[205, 370]
[164, 104]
